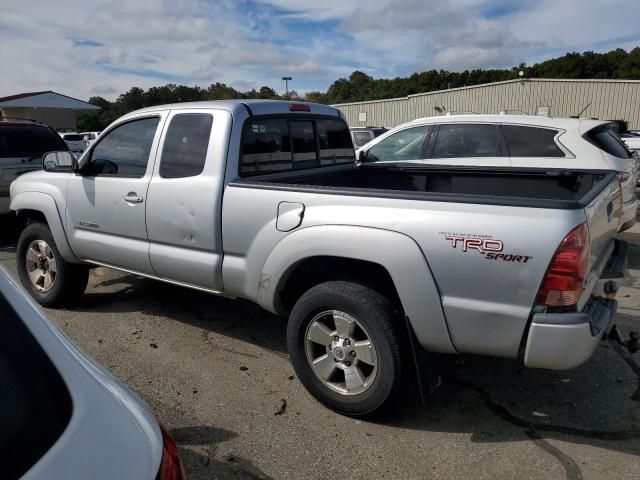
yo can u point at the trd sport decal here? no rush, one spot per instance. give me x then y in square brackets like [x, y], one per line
[485, 245]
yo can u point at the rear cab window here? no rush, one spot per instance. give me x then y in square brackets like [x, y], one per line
[279, 144]
[35, 405]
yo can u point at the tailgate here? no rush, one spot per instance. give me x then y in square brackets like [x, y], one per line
[604, 214]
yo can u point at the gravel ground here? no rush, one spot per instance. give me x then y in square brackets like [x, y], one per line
[217, 375]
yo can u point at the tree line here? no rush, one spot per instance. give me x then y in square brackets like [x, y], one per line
[616, 64]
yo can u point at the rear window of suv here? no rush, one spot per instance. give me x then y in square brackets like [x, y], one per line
[271, 145]
[604, 138]
[35, 405]
[19, 140]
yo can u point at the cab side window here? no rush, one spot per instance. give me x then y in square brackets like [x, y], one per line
[185, 145]
[403, 145]
[466, 140]
[124, 151]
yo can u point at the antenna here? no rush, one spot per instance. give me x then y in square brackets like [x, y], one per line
[582, 111]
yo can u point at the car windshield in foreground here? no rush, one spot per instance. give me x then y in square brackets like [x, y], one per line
[35, 406]
[28, 141]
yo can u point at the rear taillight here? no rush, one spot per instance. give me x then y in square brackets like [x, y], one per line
[564, 281]
[171, 467]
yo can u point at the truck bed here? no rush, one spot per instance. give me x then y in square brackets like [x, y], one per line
[542, 188]
[487, 300]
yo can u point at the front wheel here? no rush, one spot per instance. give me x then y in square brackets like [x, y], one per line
[49, 278]
[343, 339]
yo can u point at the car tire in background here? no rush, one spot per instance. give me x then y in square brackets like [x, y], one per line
[49, 278]
[345, 346]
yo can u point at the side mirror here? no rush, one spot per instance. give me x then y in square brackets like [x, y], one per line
[362, 156]
[63, 161]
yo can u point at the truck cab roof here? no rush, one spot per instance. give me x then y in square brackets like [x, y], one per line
[252, 106]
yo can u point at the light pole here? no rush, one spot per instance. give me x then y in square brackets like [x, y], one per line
[286, 85]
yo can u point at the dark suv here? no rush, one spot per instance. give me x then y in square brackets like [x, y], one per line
[22, 145]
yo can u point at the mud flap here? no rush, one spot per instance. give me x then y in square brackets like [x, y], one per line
[428, 366]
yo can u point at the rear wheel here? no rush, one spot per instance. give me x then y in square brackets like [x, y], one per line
[49, 278]
[344, 345]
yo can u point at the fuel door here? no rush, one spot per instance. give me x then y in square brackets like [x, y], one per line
[290, 216]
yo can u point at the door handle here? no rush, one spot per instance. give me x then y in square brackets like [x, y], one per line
[133, 197]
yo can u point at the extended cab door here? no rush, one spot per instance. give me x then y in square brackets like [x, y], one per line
[106, 199]
[184, 207]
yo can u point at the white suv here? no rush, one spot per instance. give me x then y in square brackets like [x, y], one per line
[511, 140]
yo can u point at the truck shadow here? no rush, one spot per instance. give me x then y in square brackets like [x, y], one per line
[498, 400]
[495, 399]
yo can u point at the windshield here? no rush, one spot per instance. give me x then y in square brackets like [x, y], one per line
[28, 141]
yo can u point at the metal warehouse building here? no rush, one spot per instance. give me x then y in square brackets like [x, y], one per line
[606, 99]
[56, 110]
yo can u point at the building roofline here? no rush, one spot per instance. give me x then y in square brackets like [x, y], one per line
[37, 94]
[24, 95]
[483, 85]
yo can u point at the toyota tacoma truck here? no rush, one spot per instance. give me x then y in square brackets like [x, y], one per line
[265, 200]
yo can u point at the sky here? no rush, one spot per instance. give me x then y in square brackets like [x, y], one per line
[86, 48]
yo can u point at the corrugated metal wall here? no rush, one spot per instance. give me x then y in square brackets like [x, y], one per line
[610, 100]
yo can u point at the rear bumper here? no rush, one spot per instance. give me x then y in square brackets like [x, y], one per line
[560, 341]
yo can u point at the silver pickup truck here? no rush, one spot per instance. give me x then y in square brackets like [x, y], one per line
[265, 201]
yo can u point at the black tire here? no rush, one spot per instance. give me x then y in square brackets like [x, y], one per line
[378, 317]
[70, 279]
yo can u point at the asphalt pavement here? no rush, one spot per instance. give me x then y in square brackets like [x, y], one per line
[217, 375]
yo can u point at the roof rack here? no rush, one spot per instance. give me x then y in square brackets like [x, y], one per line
[461, 112]
[508, 111]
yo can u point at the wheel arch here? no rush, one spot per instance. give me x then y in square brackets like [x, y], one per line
[395, 260]
[37, 206]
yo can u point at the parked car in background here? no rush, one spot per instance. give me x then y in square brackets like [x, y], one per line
[631, 140]
[511, 141]
[22, 144]
[363, 135]
[89, 138]
[74, 141]
[264, 200]
[64, 416]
